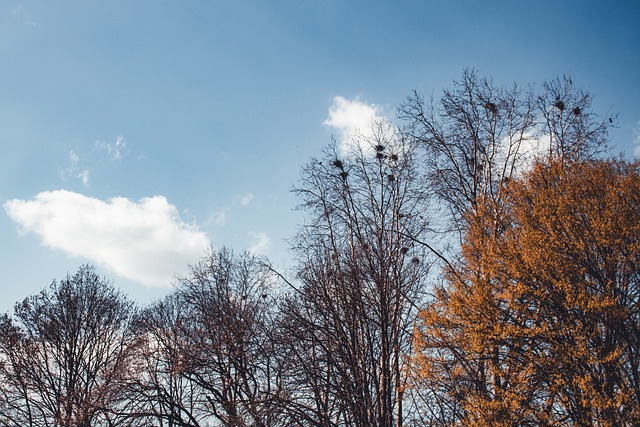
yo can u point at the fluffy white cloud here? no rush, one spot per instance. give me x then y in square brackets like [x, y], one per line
[356, 123]
[145, 241]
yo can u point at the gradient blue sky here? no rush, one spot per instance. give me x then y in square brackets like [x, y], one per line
[135, 133]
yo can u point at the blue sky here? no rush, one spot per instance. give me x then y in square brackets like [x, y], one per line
[133, 134]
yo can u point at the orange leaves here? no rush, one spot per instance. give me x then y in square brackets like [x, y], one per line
[539, 321]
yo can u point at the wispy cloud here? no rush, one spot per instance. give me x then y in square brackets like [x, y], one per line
[218, 217]
[244, 199]
[21, 15]
[83, 175]
[73, 156]
[79, 164]
[144, 241]
[221, 214]
[75, 169]
[15, 25]
[260, 243]
[356, 123]
[114, 151]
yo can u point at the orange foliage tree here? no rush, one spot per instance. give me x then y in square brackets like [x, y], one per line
[539, 323]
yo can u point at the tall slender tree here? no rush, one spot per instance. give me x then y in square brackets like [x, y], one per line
[361, 280]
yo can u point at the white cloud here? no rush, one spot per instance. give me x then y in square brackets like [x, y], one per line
[356, 122]
[524, 151]
[260, 243]
[144, 241]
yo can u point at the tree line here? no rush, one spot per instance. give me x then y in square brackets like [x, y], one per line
[476, 266]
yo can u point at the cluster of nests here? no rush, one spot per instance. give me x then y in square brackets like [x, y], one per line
[380, 155]
[559, 104]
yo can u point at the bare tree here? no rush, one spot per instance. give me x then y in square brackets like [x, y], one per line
[361, 280]
[65, 354]
[475, 139]
[15, 405]
[216, 344]
[572, 129]
[481, 135]
[158, 392]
